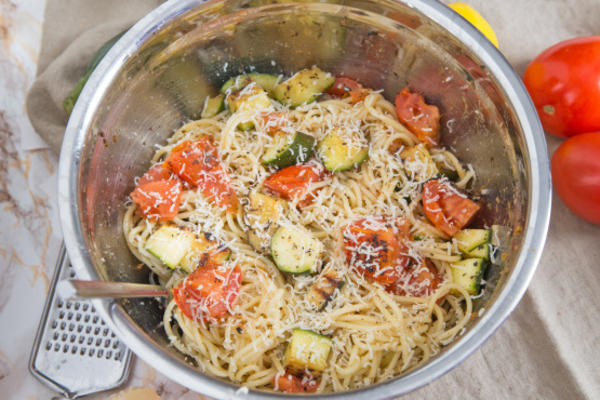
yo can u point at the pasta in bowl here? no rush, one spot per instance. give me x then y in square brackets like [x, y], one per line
[315, 236]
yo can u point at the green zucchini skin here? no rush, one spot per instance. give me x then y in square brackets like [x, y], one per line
[474, 242]
[73, 95]
[213, 106]
[291, 149]
[304, 87]
[295, 251]
[265, 81]
[307, 350]
[337, 155]
[467, 273]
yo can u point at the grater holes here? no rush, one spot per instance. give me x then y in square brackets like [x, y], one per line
[77, 305]
[100, 353]
[98, 342]
[73, 349]
[95, 319]
[78, 317]
[56, 347]
[112, 335]
[65, 348]
[90, 341]
[71, 274]
[69, 305]
[108, 354]
[63, 338]
[63, 324]
[81, 339]
[107, 343]
[55, 336]
[82, 351]
[105, 331]
[96, 331]
[88, 329]
[54, 324]
[117, 355]
[61, 315]
[72, 338]
[115, 345]
[91, 352]
[70, 315]
[71, 327]
[49, 346]
[79, 328]
[86, 319]
[85, 307]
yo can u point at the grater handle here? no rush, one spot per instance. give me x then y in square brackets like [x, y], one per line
[88, 289]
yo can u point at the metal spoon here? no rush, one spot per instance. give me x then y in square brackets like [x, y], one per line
[88, 289]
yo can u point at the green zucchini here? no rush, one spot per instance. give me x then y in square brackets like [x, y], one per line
[467, 273]
[213, 106]
[202, 250]
[303, 87]
[251, 98]
[417, 163]
[307, 350]
[261, 216]
[265, 81]
[289, 149]
[295, 250]
[323, 289]
[73, 95]
[474, 242]
[170, 244]
[179, 248]
[342, 151]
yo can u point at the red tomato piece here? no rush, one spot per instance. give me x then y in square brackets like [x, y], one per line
[420, 118]
[564, 84]
[198, 164]
[274, 122]
[209, 292]
[418, 280]
[576, 175]
[158, 200]
[346, 87]
[156, 173]
[293, 182]
[289, 383]
[447, 208]
[376, 246]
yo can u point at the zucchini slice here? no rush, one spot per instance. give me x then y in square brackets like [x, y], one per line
[213, 106]
[342, 151]
[265, 81]
[170, 244]
[304, 87]
[262, 214]
[322, 291]
[251, 98]
[289, 149]
[202, 250]
[295, 250]
[474, 242]
[307, 350]
[418, 163]
[467, 273]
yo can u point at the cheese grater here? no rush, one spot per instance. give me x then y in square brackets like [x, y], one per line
[74, 352]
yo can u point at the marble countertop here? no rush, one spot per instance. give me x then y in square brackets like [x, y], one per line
[30, 236]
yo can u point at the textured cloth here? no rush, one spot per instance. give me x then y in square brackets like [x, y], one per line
[549, 348]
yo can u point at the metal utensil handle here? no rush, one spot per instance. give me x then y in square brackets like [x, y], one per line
[89, 289]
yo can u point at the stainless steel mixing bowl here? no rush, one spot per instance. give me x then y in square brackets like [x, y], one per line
[155, 77]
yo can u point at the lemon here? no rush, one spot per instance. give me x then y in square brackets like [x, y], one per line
[471, 15]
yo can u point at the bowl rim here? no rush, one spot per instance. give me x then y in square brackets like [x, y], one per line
[538, 209]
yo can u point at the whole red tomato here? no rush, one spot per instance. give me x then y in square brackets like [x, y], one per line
[564, 83]
[576, 175]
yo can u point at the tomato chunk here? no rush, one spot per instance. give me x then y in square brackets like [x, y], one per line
[418, 280]
[289, 383]
[293, 182]
[346, 87]
[198, 164]
[446, 208]
[376, 246]
[209, 292]
[274, 122]
[158, 200]
[157, 173]
[420, 118]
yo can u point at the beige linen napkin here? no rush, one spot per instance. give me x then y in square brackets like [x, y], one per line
[549, 348]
